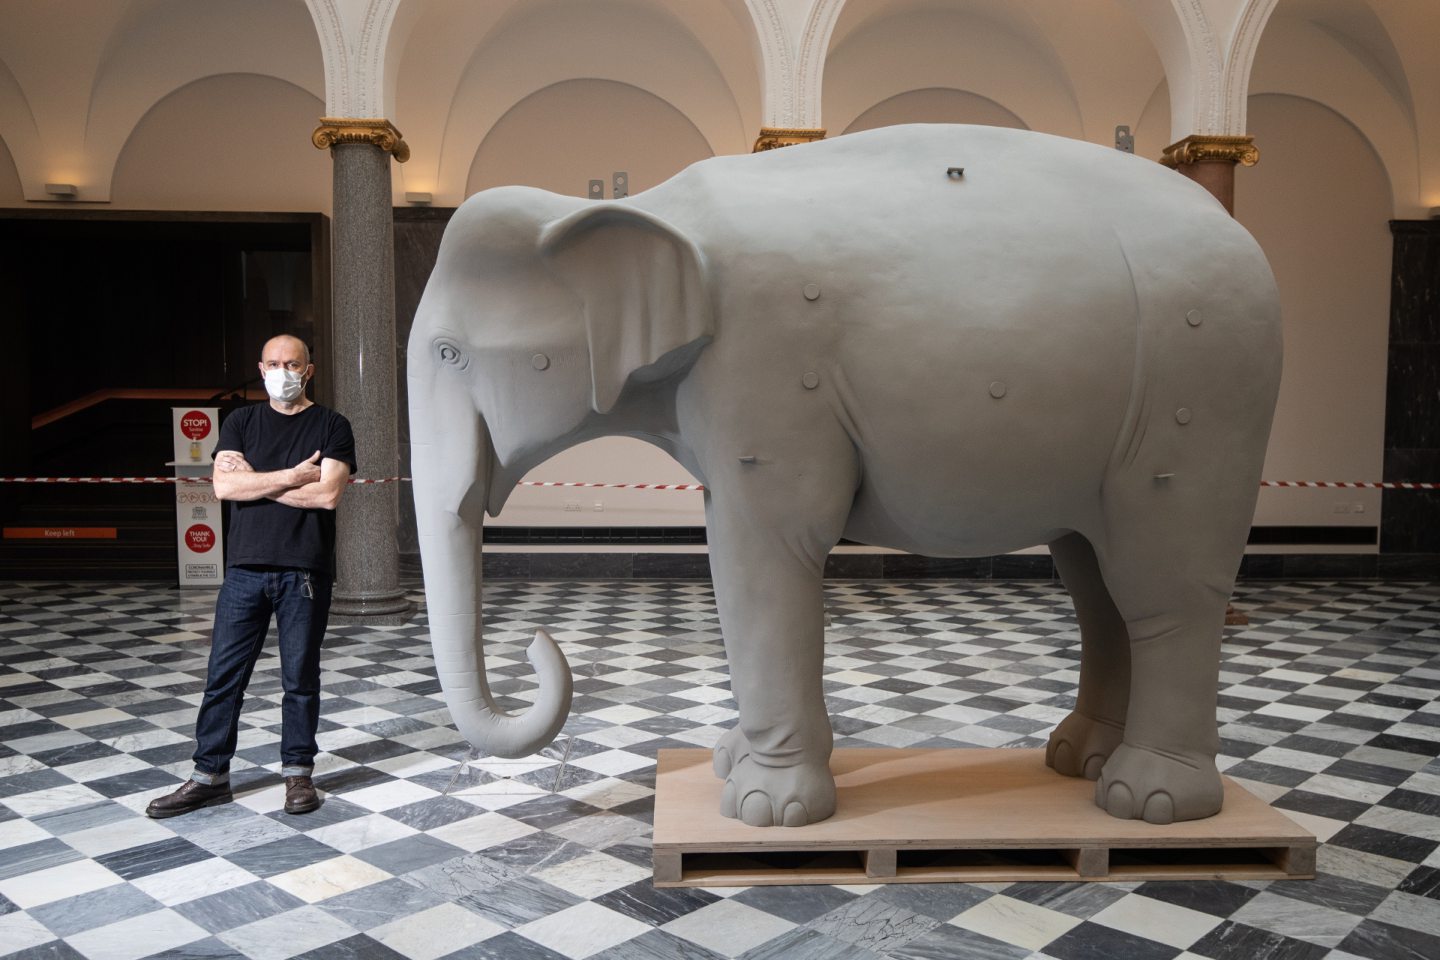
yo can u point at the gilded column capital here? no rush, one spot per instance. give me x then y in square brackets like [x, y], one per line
[1198, 148]
[376, 131]
[772, 137]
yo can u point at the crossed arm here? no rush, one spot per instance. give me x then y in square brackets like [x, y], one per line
[312, 483]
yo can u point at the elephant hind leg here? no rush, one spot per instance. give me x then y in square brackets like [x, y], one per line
[1083, 741]
[1172, 594]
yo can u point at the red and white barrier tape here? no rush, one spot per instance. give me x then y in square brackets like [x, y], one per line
[1305, 484]
[1343, 485]
[613, 486]
[161, 479]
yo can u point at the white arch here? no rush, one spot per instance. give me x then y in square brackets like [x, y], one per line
[934, 47]
[504, 70]
[794, 36]
[1208, 48]
[287, 178]
[644, 171]
[142, 64]
[951, 95]
[810, 63]
[22, 137]
[1181, 33]
[777, 63]
[1243, 44]
[354, 41]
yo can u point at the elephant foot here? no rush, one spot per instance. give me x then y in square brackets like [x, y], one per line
[791, 796]
[1140, 784]
[733, 747]
[1081, 744]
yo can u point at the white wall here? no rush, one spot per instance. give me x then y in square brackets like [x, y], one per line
[169, 163]
[11, 193]
[935, 105]
[590, 129]
[923, 48]
[611, 460]
[1319, 202]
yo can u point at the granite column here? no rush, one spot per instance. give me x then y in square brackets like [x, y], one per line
[367, 582]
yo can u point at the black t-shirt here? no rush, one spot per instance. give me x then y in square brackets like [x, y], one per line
[268, 533]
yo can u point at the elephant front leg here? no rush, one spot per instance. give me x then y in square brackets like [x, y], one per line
[768, 578]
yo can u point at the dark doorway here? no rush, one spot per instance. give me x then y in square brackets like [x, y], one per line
[111, 318]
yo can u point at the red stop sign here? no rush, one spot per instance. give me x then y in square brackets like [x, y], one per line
[195, 425]
[200, 538]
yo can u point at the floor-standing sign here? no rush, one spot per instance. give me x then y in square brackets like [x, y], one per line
[201, 555]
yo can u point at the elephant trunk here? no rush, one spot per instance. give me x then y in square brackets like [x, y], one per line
[451, 471]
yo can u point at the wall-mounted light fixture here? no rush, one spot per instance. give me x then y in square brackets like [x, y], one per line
[418, 198]
[61, 191]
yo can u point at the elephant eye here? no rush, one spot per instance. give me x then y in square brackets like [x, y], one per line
[450, 354]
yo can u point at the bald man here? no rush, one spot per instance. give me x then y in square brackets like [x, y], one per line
[282, 466]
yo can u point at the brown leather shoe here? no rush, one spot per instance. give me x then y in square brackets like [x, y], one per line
[300, 795]
[192, 795]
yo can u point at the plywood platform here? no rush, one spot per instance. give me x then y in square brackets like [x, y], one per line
[916, 816]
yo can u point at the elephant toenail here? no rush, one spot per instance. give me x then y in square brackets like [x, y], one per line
[727, 800]
[1093, 766]
[1062, 757]
[1160, 808]
[720, 761]
[1119, 801]
[795, 814]
[756, 810]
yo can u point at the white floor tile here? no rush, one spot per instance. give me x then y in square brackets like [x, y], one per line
[582, 930]
[435, 932]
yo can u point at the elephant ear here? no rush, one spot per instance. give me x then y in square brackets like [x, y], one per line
[643, 286]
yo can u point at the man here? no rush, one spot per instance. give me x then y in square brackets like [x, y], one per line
[283, 466]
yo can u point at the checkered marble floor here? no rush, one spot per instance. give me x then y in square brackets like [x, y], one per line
[1328, 706]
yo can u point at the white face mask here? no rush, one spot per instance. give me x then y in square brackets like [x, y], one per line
[284, 385]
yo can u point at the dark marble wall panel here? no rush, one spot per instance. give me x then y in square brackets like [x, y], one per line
[1412, 397]
[854, 566]
[671, 566]
[1330, 566]
[1262, 566]
[1415, 282]
[1025, 566]
[1411, 519]
[581, 566]
[909, 566]
[1409, 566]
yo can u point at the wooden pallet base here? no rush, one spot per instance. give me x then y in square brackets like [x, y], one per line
[921, 816]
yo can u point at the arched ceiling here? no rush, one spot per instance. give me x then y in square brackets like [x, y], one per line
[466, 65]
[1351, 56]
[1077, 69]
[74, 88]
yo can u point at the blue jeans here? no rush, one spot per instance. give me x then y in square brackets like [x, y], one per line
[243, 608]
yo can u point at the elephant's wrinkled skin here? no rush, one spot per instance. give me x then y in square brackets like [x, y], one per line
[1065, 345]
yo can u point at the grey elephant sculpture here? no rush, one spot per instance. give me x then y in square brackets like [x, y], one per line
[956, 341]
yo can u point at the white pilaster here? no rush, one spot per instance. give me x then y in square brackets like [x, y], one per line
[354, 36]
